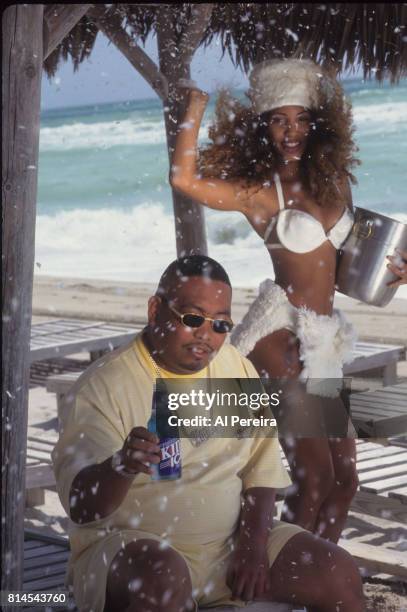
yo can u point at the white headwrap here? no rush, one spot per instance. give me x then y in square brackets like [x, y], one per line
[275, 83]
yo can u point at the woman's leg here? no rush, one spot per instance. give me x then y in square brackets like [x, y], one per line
[334, 510]
[312, 474]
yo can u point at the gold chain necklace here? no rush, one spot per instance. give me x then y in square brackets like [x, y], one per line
[152, 360]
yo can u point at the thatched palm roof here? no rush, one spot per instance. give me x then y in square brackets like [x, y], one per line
[373, 36]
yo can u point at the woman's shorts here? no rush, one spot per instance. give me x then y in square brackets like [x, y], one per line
[326, 342]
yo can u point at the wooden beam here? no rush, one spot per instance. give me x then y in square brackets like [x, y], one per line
[190, 39]
[188, 215]
[22, 70]
[59, 19]
[113, 29]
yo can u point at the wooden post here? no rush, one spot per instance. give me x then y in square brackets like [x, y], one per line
[59, 19]
[175, 64]
[112, 28]
[22, 71]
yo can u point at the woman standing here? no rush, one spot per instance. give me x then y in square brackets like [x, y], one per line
[285, 163]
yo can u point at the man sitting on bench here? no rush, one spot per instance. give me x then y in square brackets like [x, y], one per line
[208, 538]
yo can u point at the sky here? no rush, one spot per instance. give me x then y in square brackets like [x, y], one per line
[107, 76]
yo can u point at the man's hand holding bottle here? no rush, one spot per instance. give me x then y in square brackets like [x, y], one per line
[139, 451]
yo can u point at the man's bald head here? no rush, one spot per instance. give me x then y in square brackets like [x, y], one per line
[186, 267]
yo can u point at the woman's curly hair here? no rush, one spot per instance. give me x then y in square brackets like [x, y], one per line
[241, 148]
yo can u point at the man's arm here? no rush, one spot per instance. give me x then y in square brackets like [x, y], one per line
[256, 516]
[248, 573]
[98, 490]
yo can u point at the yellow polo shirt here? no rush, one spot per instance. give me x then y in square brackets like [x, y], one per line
[114, 395]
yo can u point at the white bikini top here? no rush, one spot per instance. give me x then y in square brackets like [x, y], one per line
[300, 232]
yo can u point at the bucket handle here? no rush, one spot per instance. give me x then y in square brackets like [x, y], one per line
[363, 228]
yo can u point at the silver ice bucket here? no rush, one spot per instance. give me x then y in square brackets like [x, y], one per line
[362, 271]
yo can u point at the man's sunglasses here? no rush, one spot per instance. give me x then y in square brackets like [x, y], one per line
[189, 319]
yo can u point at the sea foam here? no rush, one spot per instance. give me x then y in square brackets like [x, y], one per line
[106, 134]
[136, 245]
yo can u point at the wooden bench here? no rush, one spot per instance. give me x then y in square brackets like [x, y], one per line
[381, 413]
[45, 563]
[378, 414]
[373, 359]
[61, 337]
[382, 481]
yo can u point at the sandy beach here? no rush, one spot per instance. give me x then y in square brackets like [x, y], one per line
[126, 302]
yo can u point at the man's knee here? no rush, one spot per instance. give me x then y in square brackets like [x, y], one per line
[149, 573]
[336, 568]
[344, 578]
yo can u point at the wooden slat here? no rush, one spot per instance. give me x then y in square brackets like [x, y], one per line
[384, 485]
[400, 494]
[366, 501]
[382, 472]
[385, 428]
[62, 325]
[62, 555]
[45, 571]
[42, 456]
[392, 460]
[373, 412]
[42, 551]
[31, 544]
[32, 462]
[43, 584]
[33, 534]
[60, 383]
[41, 475]
[387, 451]
[374, 400]
[41, 443]
[82, 345]
[382, 413]
[377, 559]
[376, 403]
[369, 359]
[379, 506]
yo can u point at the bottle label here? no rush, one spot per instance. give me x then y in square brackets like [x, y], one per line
[169, 467]
[170, 464]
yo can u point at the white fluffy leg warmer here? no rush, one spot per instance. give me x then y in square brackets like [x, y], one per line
[326, 343]
[270, 311]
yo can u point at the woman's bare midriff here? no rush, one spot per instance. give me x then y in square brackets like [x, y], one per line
[307, 278]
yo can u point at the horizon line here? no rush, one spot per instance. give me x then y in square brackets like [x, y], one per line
[156, 98]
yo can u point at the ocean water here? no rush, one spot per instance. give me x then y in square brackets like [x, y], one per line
[104, 203]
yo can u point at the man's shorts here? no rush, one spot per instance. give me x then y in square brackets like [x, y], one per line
[207, 564]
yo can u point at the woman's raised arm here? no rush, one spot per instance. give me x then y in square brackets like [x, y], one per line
[214, 193]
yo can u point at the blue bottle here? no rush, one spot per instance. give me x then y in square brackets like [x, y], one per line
[170, 466]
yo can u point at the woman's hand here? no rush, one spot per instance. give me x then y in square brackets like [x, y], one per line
[398, 265]
[248, 575]
[191, 89]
